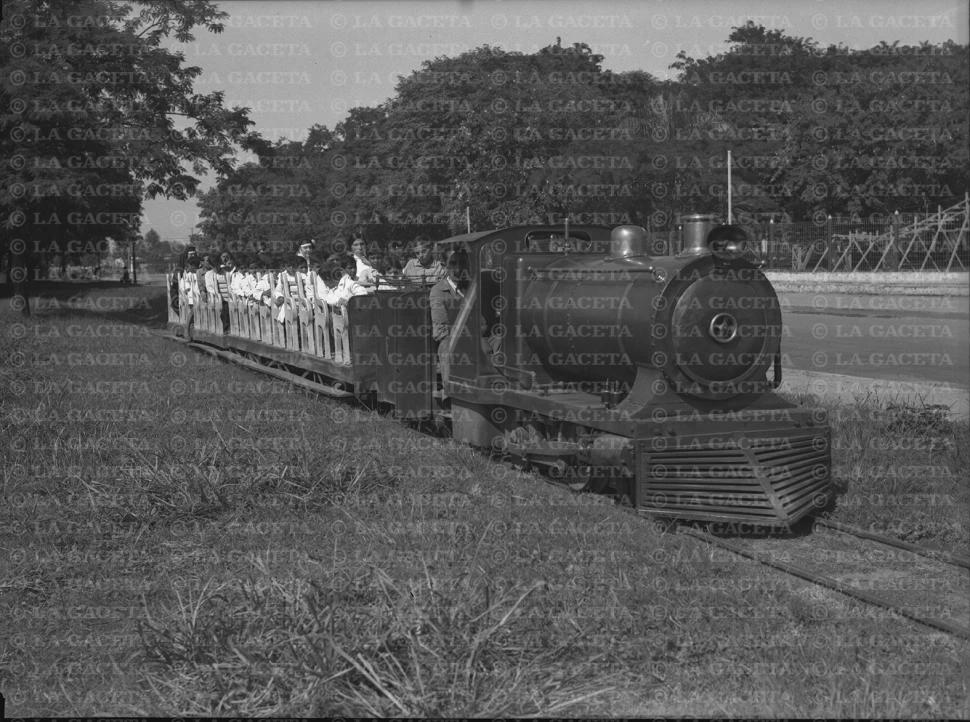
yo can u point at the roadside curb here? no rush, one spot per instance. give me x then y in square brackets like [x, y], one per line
[847, 389]
[907, 283]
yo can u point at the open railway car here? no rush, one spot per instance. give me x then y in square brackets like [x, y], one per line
[576, 351]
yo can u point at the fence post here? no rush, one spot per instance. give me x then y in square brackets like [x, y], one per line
[771, 239]
[828, 243]
[893, 236]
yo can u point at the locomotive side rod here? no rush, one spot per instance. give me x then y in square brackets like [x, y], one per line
[830, 583]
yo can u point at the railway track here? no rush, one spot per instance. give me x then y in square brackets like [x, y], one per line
[924, 585]
[927, 586]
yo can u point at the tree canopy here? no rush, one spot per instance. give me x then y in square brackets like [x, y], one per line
[487, 138]
[518, 138]
[96, 114]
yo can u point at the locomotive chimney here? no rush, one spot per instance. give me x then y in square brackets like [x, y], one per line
[696, 228]
[628, 241]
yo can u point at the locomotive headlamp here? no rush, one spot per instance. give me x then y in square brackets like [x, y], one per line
[727, 241]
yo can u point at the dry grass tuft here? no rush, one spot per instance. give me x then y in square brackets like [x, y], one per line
[364, 645]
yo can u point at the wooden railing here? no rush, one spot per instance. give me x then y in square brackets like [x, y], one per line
[309, 325]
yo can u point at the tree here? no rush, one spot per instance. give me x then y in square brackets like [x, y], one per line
[95, 114]
[831, 130]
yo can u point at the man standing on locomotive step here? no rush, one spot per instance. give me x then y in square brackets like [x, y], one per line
[445, 299]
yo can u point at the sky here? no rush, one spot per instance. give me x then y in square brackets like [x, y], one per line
[297, 63]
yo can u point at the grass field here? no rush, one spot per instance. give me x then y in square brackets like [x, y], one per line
[183, 537]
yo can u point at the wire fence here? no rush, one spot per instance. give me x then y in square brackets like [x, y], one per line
[899, 242]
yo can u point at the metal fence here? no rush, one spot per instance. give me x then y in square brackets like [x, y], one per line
[900, 242]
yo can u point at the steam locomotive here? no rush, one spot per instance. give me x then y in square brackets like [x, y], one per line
[576, 351]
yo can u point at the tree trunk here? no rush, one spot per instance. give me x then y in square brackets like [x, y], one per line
[20, 275]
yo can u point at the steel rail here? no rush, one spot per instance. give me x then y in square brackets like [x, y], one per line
[935, 554]
[829, 582]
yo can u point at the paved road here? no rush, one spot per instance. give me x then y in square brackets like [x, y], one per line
[909, 338]
[915, 348]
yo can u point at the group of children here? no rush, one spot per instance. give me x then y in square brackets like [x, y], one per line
[332, 279]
